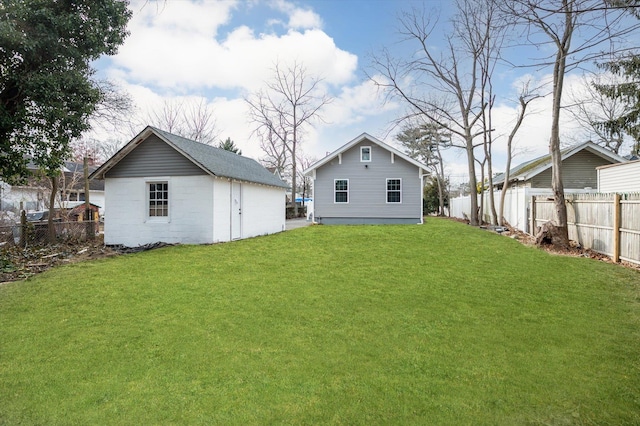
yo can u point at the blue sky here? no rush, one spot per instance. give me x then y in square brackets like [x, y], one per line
[219, 51]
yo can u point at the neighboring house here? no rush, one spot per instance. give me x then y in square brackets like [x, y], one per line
[35, 193]
[165, 188]
[72, 187]
[367, 182]
[579, 164]
[622, 177]
[579, 175]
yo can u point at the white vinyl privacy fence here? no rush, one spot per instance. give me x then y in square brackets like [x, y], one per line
[606, 223]
[517, 205]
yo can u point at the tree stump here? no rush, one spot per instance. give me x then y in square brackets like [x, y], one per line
[550, 233]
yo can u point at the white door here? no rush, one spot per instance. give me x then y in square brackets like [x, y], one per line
[236, 210]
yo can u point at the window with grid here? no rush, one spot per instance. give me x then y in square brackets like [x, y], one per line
[158, 199]
[341, 192]
[365, 153]
[394, 190]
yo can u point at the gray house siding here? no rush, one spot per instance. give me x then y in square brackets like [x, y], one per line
[578, 172]
[367, 202]
[154, 157]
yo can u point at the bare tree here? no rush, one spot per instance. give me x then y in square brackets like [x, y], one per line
[558, 21]
[305, 181]
[526, 96]
[192, 119]
[444, 86]
[291, 101]
[199, 122]
[114, 111]
[276, 153]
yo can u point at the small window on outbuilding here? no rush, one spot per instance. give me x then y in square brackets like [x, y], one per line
[158, 199]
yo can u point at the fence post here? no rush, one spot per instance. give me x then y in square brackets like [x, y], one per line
[88, 216]
[23, 226]
[616, 227]
[532, 229]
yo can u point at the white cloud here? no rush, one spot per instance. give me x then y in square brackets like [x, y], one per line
[356, 103]
[304, 19]
[177, 47]
[299, 18]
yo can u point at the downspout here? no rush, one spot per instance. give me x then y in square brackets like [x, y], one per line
[421, 177]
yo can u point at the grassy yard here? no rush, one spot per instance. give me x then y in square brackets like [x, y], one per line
[433, 324]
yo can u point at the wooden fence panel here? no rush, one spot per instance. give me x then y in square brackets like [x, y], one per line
[592, 220]
[630, 227]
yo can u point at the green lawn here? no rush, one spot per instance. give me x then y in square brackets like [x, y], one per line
[433, 324]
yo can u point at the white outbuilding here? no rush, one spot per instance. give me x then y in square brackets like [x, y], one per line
[621, 177]
[161, 187]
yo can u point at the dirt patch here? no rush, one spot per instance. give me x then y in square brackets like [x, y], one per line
[574, 249]
[18, 263]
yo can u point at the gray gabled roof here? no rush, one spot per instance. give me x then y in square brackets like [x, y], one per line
[529, 169]
[214, 161]
[357, 140]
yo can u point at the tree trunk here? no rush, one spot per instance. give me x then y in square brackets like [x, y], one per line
[473, 218]
[294, 171]
[440, 196]
[554, 147]
[52, 200]
[441, 180]
[481, 207]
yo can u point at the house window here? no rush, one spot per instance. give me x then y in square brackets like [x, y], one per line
[341, 191]
[394, 190]
[365, 153]
[158, 199]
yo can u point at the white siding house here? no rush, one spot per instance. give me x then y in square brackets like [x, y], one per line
[164, 188]
[367, 182]
[623, 177]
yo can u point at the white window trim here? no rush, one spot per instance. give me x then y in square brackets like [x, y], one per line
[370, 154]
[157, 219]
[335, 191]
[387, 190]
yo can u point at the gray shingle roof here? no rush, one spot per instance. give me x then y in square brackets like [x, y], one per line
[221, 162]
[215, 161]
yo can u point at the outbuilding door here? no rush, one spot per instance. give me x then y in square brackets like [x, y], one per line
[236, 210]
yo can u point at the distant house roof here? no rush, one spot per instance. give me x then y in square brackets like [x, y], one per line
[354, 142]
[74, 176]
[214, 161]
[529, 169]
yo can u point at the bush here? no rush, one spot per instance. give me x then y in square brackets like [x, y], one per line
[302, 212]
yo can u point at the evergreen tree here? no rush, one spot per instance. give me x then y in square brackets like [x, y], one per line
[627, 92]
[229, 145]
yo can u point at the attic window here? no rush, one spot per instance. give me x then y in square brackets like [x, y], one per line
[365, 153]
